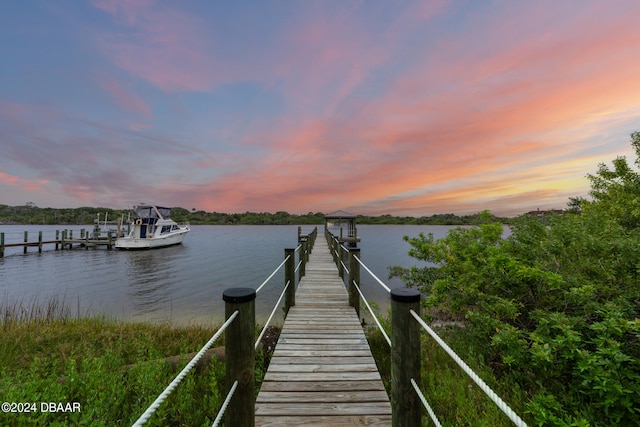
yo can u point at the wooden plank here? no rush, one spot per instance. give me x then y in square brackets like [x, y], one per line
[329, 386]
[326, 420]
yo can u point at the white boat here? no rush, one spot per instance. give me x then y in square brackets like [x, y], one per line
[153, 227]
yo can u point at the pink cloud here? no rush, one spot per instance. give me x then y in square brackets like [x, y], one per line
[127, 98]
[31, 185]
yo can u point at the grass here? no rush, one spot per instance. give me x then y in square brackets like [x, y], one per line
[113, 369]
[456, 400]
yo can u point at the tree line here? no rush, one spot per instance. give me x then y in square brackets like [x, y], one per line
[32, 214]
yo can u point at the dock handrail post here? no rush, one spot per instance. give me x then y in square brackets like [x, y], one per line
[240, 356]
[289, 276]
[26, 236]
[57, 238]
[406, 408]
[39, 242]
[341, 261]
[302, 257]
[2, 245]
[354, 279]
[109, 244]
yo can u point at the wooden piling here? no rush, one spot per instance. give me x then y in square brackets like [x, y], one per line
[26, 237]
[39, 242]
[1, 245]
[240, 355]
[289, 277]
[354, 279]
[405, 357]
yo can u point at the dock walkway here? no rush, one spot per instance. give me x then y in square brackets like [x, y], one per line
[322, 372]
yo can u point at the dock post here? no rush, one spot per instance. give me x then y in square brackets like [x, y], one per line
[109, 240]
[64, 237]
[302, 257]
[341, 261]
[82, 233]
[2, 245]
[289, 277]
[354, 279]
[39, 242]
[57, 238]
[406, 408]
[240, 356]
[24, 248]
[86, 241]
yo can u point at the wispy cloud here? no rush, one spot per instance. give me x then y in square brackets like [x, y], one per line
[415, 107]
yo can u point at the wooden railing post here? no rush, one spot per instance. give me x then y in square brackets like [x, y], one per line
[354, 279]
[302, 258]
[340, 260]
[240, 356]
[290, 276]
[57, 238]
[24, 249]
[405, 358]
[39, 242]
[2, 245]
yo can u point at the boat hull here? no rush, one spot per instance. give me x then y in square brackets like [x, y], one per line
[150, 243]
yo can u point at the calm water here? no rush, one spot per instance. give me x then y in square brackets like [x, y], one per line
[182, 284]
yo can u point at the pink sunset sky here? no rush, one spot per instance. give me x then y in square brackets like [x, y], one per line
[373, 107]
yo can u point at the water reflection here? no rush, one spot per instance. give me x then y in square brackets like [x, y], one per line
[152, 278]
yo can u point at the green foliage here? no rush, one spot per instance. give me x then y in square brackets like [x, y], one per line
[554, 307]
[113, 370]
[31, 214]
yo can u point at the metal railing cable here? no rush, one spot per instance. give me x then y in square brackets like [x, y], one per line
[297, 267]
[264, 329]
[386, 337]
[167, 391]
[223, 408]
[373, 275]
[425, 403]
[483, 386]
[272, 274]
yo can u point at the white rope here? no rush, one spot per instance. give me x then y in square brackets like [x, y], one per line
[298, 248]
[225, 404]
[297, 266]
[271, 316]
[272, 274]
[167, 391]
[483, 386]
[344, 267]
[374, 276]
[425, 403]
[373, 314]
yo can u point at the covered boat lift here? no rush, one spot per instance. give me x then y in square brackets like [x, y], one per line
[338, 220]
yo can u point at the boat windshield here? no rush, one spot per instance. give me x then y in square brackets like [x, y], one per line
[150, 212]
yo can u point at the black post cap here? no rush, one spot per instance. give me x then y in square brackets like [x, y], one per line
[239, 295]
[405, 295]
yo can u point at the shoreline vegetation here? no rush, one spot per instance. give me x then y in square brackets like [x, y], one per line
[112, 370]
[31, 214]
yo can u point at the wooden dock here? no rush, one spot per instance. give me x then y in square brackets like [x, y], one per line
[322, 372]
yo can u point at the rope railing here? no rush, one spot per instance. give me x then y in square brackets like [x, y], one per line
[375, 318]
[167, 391]
[223, 408]
[501, 404]
[426, 405]
[264, 329]
[271, 275]
[373, 275]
